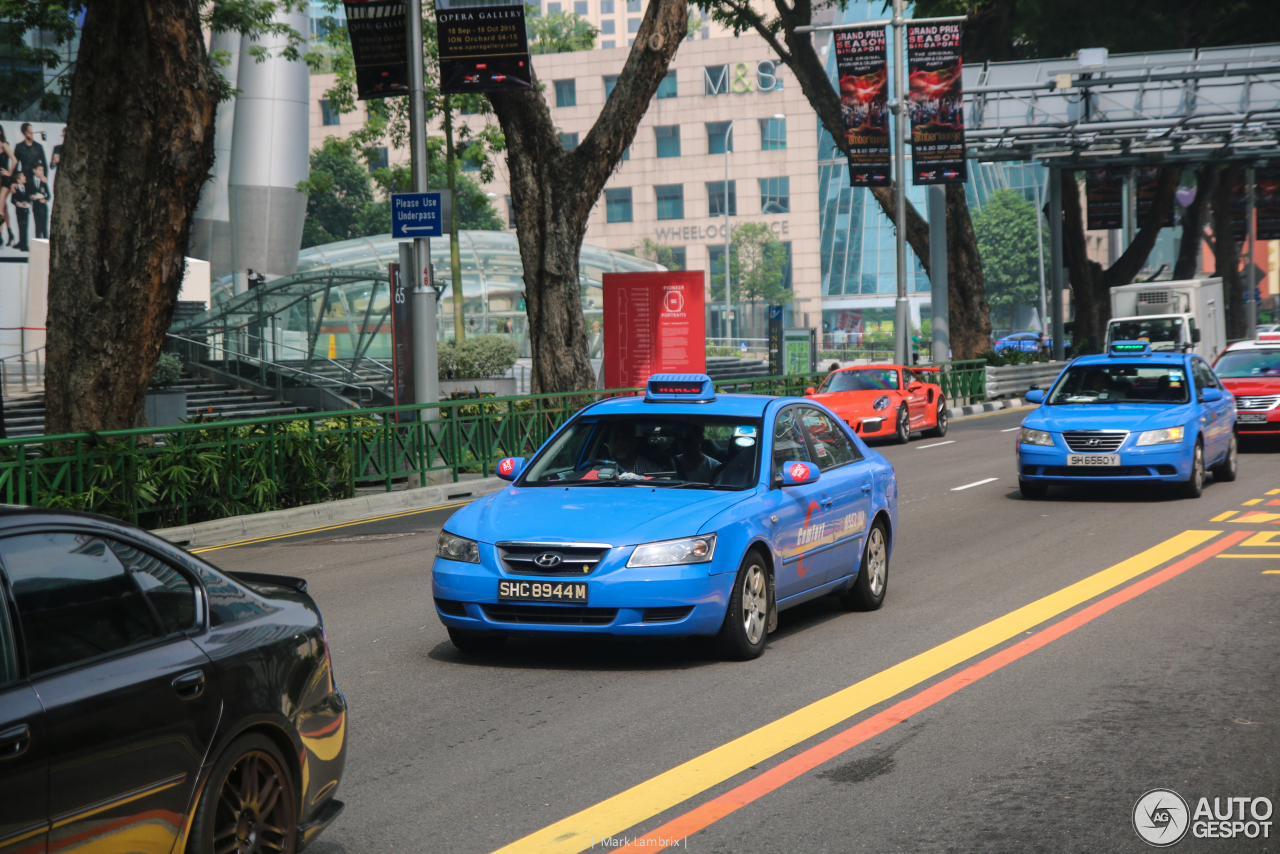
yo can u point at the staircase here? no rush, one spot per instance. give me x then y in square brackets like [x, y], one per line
[24, 416]
[732, 368]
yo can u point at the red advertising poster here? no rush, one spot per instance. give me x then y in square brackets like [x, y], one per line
[935, 104]
[401, 346]
[1146, 181]
[864, 104]
[1104, 197]
[654, 323]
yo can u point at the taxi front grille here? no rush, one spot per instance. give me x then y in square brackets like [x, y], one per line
[1094, 441]
[1255, 402]
[558, 559]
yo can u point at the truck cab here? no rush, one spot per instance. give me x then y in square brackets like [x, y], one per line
[1176, 333]
[1185, 316]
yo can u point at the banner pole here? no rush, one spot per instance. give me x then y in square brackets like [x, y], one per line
[902, 315]
[426, 379]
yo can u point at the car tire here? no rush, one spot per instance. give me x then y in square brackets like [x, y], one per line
[1193, 486]
[1033, 491]
[265, 821]
[746, 621]
[940, 424]
[866, 593]
[1226, 471]
[476, 642]
[902, 435]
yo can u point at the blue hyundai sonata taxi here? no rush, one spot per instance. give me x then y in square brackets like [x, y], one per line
[1130, 415]
[682, 512]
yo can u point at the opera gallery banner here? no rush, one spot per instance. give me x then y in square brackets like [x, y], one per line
[864, 104]
[378, 47]
[935, 104]
[483, 49]
[29, 156]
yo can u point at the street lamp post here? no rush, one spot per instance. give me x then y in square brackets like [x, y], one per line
[728, 324]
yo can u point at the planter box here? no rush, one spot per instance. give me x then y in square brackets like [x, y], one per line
[166, 407]
[498, 387]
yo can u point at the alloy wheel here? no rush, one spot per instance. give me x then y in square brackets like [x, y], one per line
[877, 562]
[755, 603]
[255, 809]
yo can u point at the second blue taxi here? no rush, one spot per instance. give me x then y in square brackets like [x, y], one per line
[1129, 415]
[682, 512]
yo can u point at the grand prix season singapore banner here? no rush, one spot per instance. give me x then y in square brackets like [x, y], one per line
[654, 323]
[483, 49]
[935, 104]
[377, 32]
[863, 70]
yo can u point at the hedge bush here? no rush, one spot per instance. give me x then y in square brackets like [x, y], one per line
[479, 357]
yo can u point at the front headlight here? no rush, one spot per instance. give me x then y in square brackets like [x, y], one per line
[1027, 436]
[453, 547]
[1167, 436]
[881, 403]
[675, 552]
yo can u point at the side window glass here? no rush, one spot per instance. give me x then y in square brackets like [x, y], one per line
[75, 600]
[788, 440]
[830, 444]
[908, 377]
[8, 649]
[167, 589]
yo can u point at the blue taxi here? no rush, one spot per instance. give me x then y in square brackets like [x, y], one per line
[1129, 415]
[682, 512]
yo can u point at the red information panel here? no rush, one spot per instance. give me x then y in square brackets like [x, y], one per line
[654, 323]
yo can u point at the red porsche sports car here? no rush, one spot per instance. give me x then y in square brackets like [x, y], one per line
[885, 400]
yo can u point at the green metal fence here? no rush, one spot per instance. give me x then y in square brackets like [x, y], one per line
[209, 470]
[963, 382]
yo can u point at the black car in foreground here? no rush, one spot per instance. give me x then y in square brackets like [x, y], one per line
[152, 703]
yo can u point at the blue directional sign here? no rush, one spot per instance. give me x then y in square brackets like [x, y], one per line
[420, 214]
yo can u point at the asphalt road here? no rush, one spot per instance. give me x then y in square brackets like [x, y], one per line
[1037, 732]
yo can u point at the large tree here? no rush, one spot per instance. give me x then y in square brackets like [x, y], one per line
[1008, 228]
[776, 22]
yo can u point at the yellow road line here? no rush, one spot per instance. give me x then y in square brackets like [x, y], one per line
[1274, 492]
[1222, 517]
[671, 788]
[1246, 556]
[1271, 572]
[1252, 501]
[328, 527]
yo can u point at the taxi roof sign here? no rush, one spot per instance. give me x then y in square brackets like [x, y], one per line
[680, 388]
[1130, 348]
[1268, 336]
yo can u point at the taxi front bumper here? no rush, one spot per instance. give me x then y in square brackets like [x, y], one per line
[1166, 463]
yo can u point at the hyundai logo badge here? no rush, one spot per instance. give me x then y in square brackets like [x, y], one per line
[547, 560]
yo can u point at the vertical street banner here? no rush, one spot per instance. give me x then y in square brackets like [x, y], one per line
[1104, 199]
[483, 49]
[1146, 181]
[1266, 202]
[401, 345]
[1238, 207]
[935, 104]
[378, 47]
[775, 341]
[863, 70]
[654, 323]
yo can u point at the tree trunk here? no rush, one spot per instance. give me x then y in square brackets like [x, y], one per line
[553, 192]
[139, 147]
[967, 309]
[969, 314]
[1193, 222]
[1226, 255]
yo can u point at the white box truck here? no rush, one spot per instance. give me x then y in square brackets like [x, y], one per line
[1182, 316]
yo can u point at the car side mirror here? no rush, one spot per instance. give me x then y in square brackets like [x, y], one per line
[1195, 336]
[1209, 395]
[915, 386]
[810, 390]
[510, 468]
[1035, 396]
[797, 473]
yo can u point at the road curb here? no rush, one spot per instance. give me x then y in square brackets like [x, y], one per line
[219, 531]
[989, 406]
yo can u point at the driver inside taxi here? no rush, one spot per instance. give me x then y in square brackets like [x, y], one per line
[624, 449]
[692, 463]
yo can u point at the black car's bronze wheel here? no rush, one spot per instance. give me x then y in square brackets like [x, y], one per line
[249, 804]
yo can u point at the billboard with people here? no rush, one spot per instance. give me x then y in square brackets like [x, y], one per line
[29, 156]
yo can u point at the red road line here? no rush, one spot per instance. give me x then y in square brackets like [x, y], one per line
[709, 813]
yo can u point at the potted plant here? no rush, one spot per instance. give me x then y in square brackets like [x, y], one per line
[166, 403]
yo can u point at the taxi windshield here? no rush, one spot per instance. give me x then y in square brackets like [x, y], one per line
[689, 451]
[866, 379]
[1163, 333]
[1241, 364]
[1121, 383]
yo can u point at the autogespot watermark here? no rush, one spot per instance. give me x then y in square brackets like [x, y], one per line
[1162, 818]
[657, 843]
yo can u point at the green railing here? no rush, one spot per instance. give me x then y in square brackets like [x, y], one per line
[963, 382]
[215, 469]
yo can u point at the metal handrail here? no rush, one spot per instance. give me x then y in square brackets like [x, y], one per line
[241, 332]
[329, 381]
[4, 382]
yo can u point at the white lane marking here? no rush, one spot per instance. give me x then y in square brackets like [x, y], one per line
[936, 444]
[971, 485]
[1011, 429]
